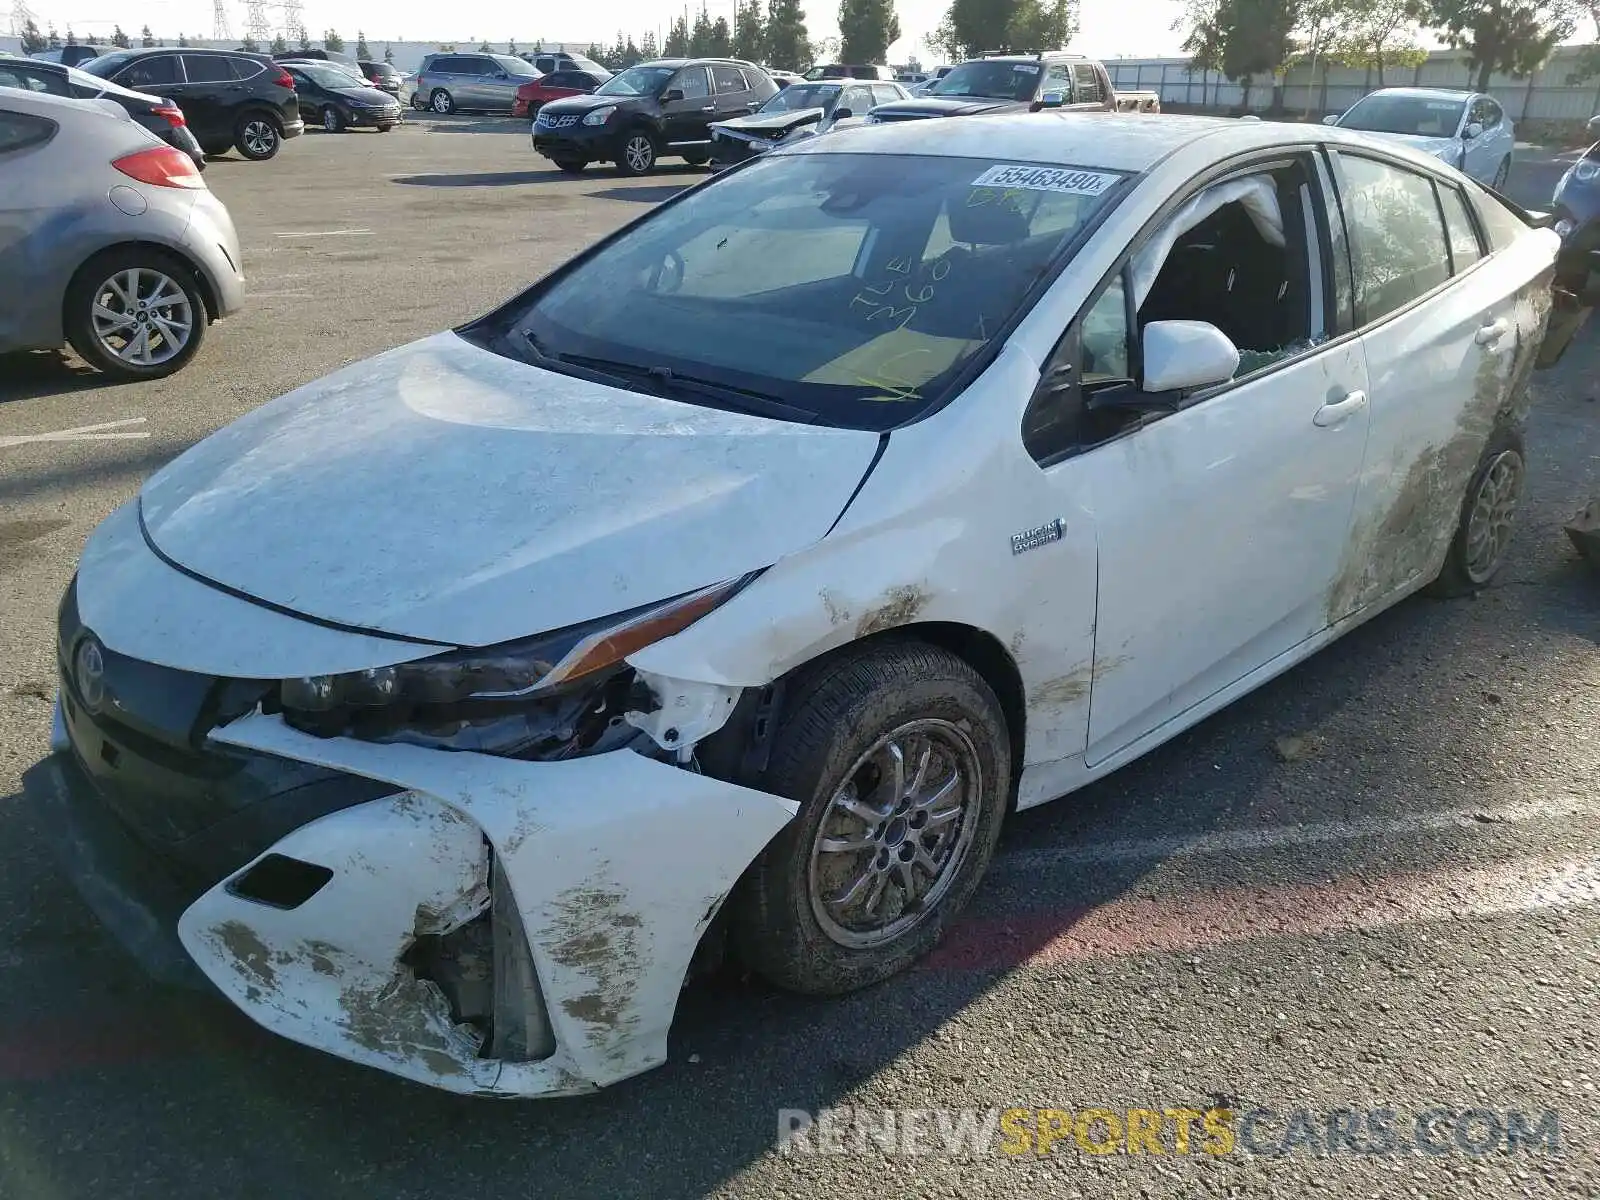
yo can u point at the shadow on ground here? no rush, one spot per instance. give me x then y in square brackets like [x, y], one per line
[34, 373]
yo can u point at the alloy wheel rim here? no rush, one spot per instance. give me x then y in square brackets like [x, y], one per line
[259, 136]
[895, 834]
[639, 153]
[1494, 507]
[441, 103]
[142, 316]
[330, 120]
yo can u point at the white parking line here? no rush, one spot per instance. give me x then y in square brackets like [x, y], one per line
[1235, 841]
[325, 233]
[105, 432]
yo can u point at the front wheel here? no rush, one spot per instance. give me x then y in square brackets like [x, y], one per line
[257, 137]
[1488, 513]
[571, 166]
[900, 759]
[135, 313]
[697, 160]
[1501, 174]
[638, 154]
[442, 101]
[332, 120]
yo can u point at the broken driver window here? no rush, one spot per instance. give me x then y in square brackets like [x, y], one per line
[1241, 255]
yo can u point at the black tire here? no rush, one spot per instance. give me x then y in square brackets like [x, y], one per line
[416, 102]
[1462, 574]
[697, 160]
[333, 120]
[216, 149]
[571, 166]
[258, 136]
[836, 712]
[637, 153]
[385, 128]
[92, 278]
[442, 102]
[1502, 174]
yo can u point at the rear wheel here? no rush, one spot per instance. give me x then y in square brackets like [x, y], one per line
[900, 760]
[1488, 513]
[1501, 174]
[442, 101]
[697, 160]
[637, 155]
[257, 136]
[332, 120]
[135, 313]
[572, 166]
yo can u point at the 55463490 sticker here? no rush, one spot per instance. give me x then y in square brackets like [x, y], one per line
[1047, 179]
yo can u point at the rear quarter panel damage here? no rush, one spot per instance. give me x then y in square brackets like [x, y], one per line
[617, 863]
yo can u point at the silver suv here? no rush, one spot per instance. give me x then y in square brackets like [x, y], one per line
[449, 82]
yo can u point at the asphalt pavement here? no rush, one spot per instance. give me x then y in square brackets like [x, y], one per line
[1371, 886]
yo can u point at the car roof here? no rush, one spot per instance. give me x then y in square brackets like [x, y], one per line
[1130, 142]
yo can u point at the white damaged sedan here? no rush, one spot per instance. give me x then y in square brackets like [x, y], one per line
[731, 585]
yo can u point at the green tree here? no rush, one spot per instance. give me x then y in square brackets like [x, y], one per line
[700, 33]
[332, 42]
[632, 55]
[647, 46]
[249, 45]
[54, 39]
[72, 38]
[1377, 34]
[749, 31]
[305, 39]
[788, 46]
[183, 39]
[867, 28]
[511, 46]
[677, 38]
[388, 53]
[972, 27]
[32, 40]
[721, 38]
[118, 38]
[485, 48]
[1510, 36]
[279, 47]
[600, 55]
[363, 52]
[146, 38]
[1244, 39]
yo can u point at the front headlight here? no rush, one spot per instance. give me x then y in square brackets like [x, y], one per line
[1585, 170]
[508, 674]
[600, 115]
[1564, 228]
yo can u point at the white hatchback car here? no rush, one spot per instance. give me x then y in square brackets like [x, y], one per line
[1468, 130]
[742, 575]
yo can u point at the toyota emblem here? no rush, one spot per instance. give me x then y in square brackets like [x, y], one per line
[91, 673]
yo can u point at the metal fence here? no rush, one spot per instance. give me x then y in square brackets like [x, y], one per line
[1544, 98]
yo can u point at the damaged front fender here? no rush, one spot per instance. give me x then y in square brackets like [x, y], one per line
[616, 864]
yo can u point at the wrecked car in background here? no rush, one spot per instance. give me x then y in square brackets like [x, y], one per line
[799, 111]
[466, 698]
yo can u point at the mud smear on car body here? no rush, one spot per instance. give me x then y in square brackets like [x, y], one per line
[408, 1018]
[1389, 548]
[1075, 684]
[599, 938]
[900, 606]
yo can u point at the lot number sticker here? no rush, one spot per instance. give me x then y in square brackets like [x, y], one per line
[1046, 179]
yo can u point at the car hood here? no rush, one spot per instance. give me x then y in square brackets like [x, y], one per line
[1579, 189]
[771, 124]
[588, 103]
[1446, 149]
[367, 95]
[446, 493]
[943, 106]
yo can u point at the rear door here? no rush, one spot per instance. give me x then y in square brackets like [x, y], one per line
[1445, 343]
[732, 93]
[1087, 91]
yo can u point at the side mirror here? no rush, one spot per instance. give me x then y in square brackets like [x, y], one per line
[671, 94]
[1052, 99]
[1472, 131]
[842, 114]
[1179, 355]
[1331, 119]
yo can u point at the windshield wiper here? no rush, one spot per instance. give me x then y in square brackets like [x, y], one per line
[536, 354]
[667, 382]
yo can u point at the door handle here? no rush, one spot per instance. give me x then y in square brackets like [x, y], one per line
[1339, 411]
[1492, 332]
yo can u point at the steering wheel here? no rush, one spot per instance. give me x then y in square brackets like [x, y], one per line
[667, 276]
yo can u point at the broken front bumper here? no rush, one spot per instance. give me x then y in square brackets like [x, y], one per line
[597, 877]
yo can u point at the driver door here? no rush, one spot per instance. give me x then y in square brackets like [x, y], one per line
[688, 121]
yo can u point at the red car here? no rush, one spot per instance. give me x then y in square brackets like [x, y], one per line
[530, 96]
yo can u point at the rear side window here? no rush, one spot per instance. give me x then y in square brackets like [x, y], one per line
[1463, 235]
[207, 68]
[1086, 81]
[1397, 235]
[728, 80]
[478, 66]
[14, 75]
[245, 68]
[146, 73]
[20, 131]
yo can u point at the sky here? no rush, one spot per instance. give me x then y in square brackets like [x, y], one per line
[1109, 28]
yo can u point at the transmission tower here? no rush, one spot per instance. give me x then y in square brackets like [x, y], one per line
[293, 19]
[21, 14]
[221, 27]
[255, 21]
